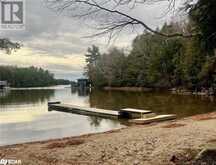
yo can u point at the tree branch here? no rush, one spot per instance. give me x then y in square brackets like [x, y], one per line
[94, 7]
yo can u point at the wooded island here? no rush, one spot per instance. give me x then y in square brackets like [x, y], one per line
[29, 77]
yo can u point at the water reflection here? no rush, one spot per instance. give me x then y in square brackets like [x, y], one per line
[73, 90]
[80, 91]
[159, 102]
[24, 116]
[83, 91]
[25, 96]
[4, 93]
[50, 126]
[94, 121]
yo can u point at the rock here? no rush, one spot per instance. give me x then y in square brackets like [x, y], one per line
[136, 162]
[78, 155]
[173, 159]
[103, 156]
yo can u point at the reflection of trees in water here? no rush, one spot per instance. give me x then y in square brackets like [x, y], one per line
[83, 91]
[159, 102]
[94, 121]
[26, 96]
[4, 93]
[73, 89]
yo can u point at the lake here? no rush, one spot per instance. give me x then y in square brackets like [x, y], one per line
[24, 115]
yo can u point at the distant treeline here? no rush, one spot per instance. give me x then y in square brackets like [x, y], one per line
[29, 77]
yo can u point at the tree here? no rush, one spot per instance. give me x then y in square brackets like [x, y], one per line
[28, 77]
[92, 55]
[203, 15]
[8, 46]
[154, 60]
[93, 68]
[105, 69]
[114, 66]
[157, 62]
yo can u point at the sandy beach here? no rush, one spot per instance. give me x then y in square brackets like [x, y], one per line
[171, 142]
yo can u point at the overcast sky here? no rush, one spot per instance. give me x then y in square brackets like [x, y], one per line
[56, 42]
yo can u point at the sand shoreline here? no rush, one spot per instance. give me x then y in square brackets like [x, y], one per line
[139, 144]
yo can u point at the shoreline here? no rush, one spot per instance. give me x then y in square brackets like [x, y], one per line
[136, 144]
[177, 91]
[129, 89]
[40, 88]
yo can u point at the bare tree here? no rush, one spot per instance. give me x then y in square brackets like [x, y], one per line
[109, 14]
[9, 46]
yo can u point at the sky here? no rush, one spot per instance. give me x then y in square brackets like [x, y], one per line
[57, 42]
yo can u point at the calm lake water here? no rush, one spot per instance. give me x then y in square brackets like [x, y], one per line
[24, 115]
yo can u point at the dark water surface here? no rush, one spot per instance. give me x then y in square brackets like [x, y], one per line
[24, 113]
[158, 102]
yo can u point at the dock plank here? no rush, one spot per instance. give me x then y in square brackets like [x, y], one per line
[136, 110]
[84, 110]
[158, 118]
[134, 113]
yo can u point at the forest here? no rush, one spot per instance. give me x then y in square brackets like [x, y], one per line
[158, 61]
[29, 77]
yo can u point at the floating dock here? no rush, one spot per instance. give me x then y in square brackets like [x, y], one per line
[134, 113]
[158, 118]
[137, 116]
[84, 110]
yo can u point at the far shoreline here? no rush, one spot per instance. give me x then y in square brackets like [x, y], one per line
[38, 88]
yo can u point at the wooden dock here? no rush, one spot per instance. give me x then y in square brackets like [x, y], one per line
[84, 110]
[158, 118]
[137, 116]
[134, 113]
